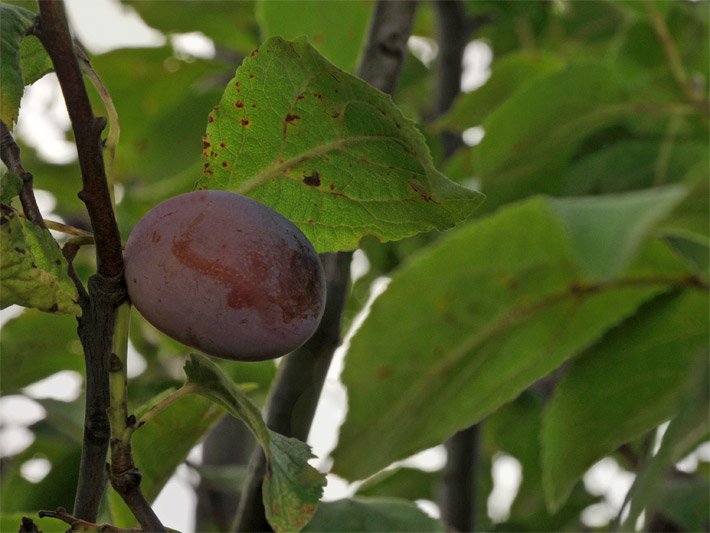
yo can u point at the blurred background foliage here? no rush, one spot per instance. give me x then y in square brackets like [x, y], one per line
[582, 98]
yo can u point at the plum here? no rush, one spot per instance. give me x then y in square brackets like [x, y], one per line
[226, 275]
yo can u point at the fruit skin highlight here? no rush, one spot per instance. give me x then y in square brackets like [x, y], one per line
[226, 275]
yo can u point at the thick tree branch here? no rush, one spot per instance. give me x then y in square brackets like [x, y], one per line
[294, 395]
[107, 287]
[10, 155]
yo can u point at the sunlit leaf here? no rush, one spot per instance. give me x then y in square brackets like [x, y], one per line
[33, 271]
[328, 151]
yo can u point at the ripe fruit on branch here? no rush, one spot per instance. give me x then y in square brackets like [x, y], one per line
[226, 275]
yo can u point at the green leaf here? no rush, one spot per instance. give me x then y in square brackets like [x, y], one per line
[292, 487]
[326, 150]
[407, 483]
[621, 388]
[510, 75]
[14, 23]
[34, 60]
[465, 326]
[371, 514]
[28, 357]
[606, 231]
[531, 137]
[337, 29]
[630, 164]
[33, 271]
[693, 249]
[10, 186]
[689, 428]
[161, 445]
[228, 23]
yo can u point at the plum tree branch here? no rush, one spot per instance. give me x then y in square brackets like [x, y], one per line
[10, 155]
[107, 287]
[297, 388]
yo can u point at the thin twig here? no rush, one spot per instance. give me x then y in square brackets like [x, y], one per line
[10, 154]
[301, 375]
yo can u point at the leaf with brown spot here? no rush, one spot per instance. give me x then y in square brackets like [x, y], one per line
[349, 131]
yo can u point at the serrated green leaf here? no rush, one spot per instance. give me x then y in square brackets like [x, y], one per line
[372, 514]
[291, 487]
[337, 29]
[28, 357]
[465, 326]
[160, 446]
[626, 385]
[33, 271]
[606, 231]
[14, 23]
[326, 150]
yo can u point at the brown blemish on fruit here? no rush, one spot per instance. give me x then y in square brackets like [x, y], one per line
[297, 287]
[313, 180]
[155, 237]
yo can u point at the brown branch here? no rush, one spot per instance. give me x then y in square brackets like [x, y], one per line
[10, 154]
[301, 375]
[107, 287]
[54, 34]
